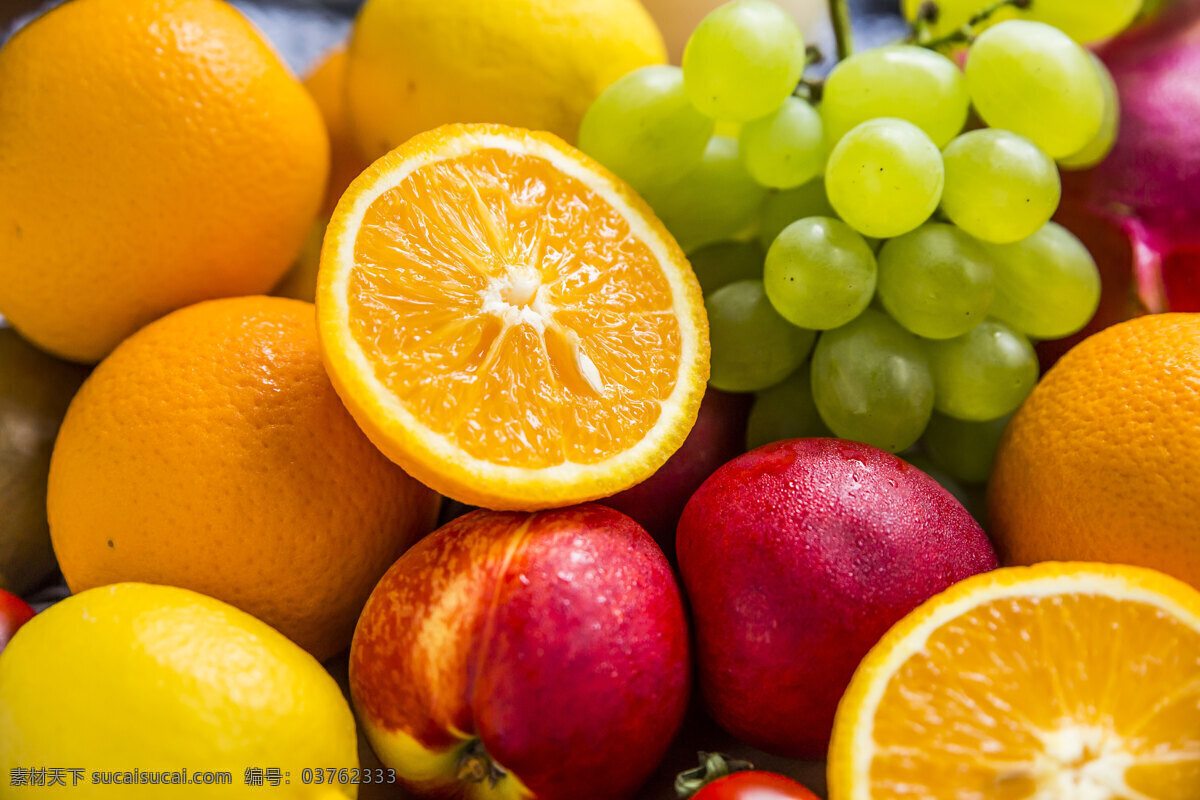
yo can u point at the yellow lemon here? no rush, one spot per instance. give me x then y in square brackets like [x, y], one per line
[141, 679]
[417, 64]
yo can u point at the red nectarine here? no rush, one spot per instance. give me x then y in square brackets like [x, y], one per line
[533, 655]
[718, 435]
[797, 557]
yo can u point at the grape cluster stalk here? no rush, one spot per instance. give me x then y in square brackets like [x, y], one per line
[876, 250]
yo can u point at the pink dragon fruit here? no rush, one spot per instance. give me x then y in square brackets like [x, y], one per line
[1138, 211]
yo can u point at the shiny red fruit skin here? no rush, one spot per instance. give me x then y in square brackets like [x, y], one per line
[754, 785]
[14, 612]
[797, 557]
[718, 435]
[558, 639]
[1138, 211]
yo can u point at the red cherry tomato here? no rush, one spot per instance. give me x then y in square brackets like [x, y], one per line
[14, 612]
[754, 785]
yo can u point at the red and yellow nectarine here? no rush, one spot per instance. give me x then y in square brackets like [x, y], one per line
[513, 655]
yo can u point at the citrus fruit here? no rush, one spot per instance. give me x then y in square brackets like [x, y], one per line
[34, 392]
[300, 282]
[153, 153]
[417, 64]
[161, 679]
[1101, 463]
[1064, 680]
[327, 85]
[209, 451]
[508, 321]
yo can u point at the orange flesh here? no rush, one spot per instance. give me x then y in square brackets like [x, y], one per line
[1022, 692]
[511, 309]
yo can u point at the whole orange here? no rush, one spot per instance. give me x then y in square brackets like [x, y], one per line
[153, 153]
[327, 85]
[1102, 462]
[209, 451]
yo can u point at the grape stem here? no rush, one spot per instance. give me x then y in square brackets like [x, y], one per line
[843, 33]
[928, 14]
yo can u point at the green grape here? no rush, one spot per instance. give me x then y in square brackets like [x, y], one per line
[1088, 21]
[645, 129]
[1047, 286]
[1102, 144]
[819, 273]
[885, 177]
[936, 281]
[965, 450]
[785, 207]
[902, 81]
[785, 411]
[785, 148]
[1030, 78]
[752, 346]
[722, 263]
[983, 374]
[871, 382]
[716, 200]
[999, 186]
[742, 60]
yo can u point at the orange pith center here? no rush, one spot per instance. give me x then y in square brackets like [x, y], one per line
[1066, 696]
[511, 309]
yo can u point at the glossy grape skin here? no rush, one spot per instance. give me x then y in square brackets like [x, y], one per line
[644, 128]
[742, 60]
[936, 281]
[717, 200]
[1102, 143]
[785, 148]
[1031, 79]
[722, 263]
[885, 177]
[983, 374]
[784, 207]
[902, 81]
[965, 450]
[1088, 21]
[1047, 286]
[819, 273]
[999, 186]
[752, 346]
[871, 382]
[785, 411]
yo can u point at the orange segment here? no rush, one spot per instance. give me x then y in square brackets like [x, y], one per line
[1056, 681]
[508, 321]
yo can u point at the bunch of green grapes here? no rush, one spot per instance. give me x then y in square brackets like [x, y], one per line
[875, 265]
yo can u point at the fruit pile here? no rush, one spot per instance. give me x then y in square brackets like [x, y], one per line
[914, 261]
[671, 370]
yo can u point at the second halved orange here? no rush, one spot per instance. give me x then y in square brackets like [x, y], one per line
[508, 321]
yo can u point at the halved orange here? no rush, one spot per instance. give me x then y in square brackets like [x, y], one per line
[1053, 682]
[508, 321]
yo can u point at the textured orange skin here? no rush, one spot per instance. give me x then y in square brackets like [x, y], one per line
[327, 85]
[209, 451]
[558, 638]
[1102, 462]
[153, 153]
